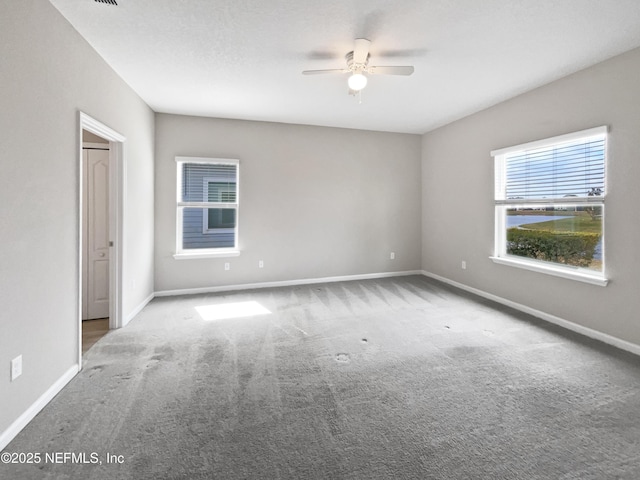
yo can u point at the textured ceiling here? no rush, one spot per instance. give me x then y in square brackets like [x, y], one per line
[243, 58]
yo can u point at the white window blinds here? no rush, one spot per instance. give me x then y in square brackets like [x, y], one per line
[564, 168]
[571, 170]
[219, 178]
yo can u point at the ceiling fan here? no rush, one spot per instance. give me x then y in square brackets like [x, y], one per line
[358, 65]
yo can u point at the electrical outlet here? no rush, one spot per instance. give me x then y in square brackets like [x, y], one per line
[392, 255]
[464, 265]
[16, 367]
[227, 266]
[260, 264]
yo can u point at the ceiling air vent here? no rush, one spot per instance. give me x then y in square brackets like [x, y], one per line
[110, 2]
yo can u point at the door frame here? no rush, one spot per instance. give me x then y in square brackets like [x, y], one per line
[116, 219]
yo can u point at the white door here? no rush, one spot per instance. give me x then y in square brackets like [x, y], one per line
[96, 234]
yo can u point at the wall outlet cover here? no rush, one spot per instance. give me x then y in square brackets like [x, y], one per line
[16, 367]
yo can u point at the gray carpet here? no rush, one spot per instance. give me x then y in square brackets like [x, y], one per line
[400, 378]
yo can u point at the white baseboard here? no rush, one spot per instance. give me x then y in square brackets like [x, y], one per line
[574, 327]
[22, 421]
[285, 283]
[138, 309]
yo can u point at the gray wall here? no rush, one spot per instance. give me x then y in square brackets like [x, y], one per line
[314, 201]
[48, 73]
[457, 195]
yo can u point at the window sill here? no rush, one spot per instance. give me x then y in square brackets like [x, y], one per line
[563, 272]
[206, 254]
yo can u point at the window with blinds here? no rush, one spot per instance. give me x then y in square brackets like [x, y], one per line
[207, 206]
[549, 201]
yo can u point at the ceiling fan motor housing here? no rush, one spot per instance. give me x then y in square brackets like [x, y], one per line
[356, 67]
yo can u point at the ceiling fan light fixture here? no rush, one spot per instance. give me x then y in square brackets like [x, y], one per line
[358, 64]
[357, 82]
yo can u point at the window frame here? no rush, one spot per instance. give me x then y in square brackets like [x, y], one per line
[194, 253]
[502, 204]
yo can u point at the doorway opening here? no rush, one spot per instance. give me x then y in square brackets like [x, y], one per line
[95, 238]
[100, 237]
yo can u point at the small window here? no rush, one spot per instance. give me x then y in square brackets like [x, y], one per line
[549, 205]
[207, 206]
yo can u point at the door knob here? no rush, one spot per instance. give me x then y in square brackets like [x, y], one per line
[101, 254]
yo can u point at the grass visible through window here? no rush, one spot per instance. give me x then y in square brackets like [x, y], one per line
[570, 236]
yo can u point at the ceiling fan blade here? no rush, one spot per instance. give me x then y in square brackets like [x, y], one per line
[361, 51]
[390, 70]
[321, 72]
